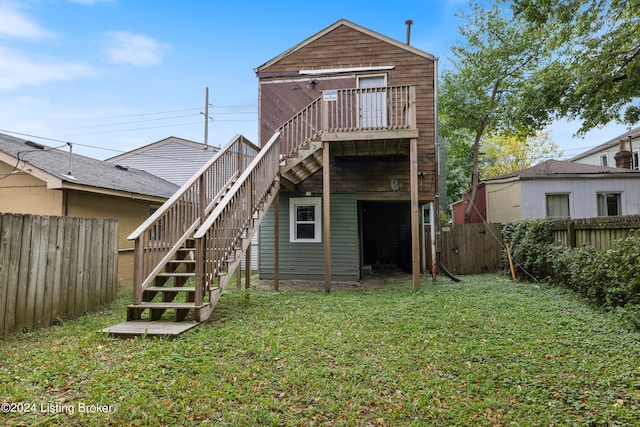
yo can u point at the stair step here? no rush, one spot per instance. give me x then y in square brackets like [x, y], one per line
[176, 274]
[170, 289]
[166, 305]
[182, 261]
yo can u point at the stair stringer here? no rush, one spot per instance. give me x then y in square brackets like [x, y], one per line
[232, 266]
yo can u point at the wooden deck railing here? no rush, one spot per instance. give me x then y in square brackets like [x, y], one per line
[221, 234]
[350, 110]
[161, 235]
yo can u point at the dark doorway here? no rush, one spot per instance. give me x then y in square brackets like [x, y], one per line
[385, 232]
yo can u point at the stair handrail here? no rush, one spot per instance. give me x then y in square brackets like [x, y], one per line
[342, 112]
[220, 234]
[303, 127]
[160, 236]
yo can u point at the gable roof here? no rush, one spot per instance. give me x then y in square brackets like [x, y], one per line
[562, 168]
[162, 142]
[53, 166]
[173, 159]
[633, 133]
[346, 23]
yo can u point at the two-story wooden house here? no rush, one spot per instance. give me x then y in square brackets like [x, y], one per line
[357, 118]
[345, 166]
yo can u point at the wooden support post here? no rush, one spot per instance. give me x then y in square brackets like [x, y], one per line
[200, 270]
[247, 267]
[138, 273]
[415, 217]
[513, 273]
[326, 215]
[276, 243]
[202, 199]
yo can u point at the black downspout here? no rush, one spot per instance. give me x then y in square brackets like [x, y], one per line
[444, 270]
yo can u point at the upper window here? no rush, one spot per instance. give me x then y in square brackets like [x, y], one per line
[558, 206]
[634, 160]
[609, 204]
[604, 160]
[305, 219]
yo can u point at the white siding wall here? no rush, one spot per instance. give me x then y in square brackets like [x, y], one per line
[582, 195]
[172, 161]
[594, 159]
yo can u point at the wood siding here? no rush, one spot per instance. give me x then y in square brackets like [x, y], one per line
[54, 268]
[305, 261]
[283, 92]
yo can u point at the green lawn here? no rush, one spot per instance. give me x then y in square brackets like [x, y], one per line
[481, 352]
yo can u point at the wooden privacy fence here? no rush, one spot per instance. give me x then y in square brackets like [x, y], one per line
[54, 268]
[472, 248]
[599, 232]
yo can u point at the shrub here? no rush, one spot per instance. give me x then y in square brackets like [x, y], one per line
[530, 242]
[610, 278]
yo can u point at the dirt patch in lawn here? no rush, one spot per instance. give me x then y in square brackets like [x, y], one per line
[373, 280]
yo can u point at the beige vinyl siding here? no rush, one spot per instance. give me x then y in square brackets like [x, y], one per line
[305, 261]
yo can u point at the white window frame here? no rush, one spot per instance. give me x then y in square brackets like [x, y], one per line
[635, 157]
[604, 159]
[316, 202]
[377, 99]
[605, 194]
[546, 201]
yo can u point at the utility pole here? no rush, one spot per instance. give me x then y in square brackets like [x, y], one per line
[206, 118]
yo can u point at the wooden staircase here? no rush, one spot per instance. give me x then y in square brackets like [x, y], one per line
[186, 253]
[188, 250]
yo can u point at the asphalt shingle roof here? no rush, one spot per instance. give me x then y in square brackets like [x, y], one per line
[85, 170]
[559, 167]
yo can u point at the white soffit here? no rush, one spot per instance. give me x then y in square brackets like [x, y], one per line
[345, 70]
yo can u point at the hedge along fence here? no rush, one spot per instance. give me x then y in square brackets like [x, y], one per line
[53, 268]
[608, 277]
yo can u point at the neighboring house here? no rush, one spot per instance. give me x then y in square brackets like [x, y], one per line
[604, 154]
[478, 214]
[173, 159]
[356, 112]
[560, 189]
[40, 180]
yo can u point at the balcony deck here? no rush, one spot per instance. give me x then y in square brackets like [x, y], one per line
[355, 122]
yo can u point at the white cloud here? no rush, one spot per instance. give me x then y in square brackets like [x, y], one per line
[14, 23]
[135, 49]
[17, 69]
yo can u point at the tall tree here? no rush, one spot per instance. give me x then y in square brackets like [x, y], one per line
[505, 154]
[480, 95]
[595, 75]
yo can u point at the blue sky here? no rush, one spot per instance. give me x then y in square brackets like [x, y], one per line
[120, 74]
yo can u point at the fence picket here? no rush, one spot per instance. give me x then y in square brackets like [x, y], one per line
[49, 269]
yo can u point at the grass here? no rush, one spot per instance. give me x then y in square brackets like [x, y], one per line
[481, 352]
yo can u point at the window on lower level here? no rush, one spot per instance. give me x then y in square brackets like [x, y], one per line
[558, 206]
[305, 219]
[609, 204]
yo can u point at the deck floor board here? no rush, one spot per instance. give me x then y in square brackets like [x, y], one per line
[134, 328]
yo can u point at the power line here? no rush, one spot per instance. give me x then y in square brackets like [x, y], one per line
[81, 145]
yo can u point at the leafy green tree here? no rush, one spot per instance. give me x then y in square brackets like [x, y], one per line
[459, 159]
[505, 154]
[595, 74]
[480, 95]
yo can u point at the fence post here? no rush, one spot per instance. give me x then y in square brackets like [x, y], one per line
[571, 234]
